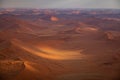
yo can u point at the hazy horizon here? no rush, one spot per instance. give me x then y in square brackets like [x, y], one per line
[59, 40]
[101, 4]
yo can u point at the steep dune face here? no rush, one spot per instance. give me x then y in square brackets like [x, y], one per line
[58, 52]
[10, 65]
[14, 27]
[10, 68]
[17, 63]
[45, 62]
[47, 52]
[18, 25]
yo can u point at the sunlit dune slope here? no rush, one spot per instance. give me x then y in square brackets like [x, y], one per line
[60, 51]
[47, 52]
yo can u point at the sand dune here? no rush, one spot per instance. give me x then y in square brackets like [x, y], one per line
[47, 52]
[77, 46]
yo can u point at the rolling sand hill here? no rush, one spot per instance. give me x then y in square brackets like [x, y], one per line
[29, 51]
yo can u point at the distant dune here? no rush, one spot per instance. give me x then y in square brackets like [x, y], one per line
[59, 45]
